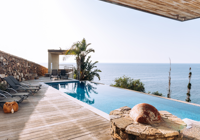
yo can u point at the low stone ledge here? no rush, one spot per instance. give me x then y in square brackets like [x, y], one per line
[124, 128]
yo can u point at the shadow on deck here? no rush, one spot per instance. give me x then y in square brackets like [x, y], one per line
[50, 115]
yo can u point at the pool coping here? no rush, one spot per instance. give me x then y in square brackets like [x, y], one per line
[99, 112]
[159, 96]
[136, 91]
[153, 95]
[69, 80]
[89, 107]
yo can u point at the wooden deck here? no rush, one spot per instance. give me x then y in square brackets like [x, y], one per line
[50, 115]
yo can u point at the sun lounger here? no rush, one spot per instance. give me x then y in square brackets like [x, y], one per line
[4, 98]
[23, 84]
[54, 74]
[63, 74]
[18, 87]
[15, 94]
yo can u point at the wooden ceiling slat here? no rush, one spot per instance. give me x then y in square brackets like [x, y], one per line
[186, 6]
[163, 7]
[176, 9]
[153, 9]
[192, 5]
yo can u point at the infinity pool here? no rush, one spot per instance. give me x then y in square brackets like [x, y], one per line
[107, 98]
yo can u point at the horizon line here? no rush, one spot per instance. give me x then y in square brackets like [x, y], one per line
[126, 63]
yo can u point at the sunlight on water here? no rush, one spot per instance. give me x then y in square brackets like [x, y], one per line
[106, 98]
[155, 77]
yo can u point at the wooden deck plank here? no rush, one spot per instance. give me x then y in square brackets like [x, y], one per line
[50, 115]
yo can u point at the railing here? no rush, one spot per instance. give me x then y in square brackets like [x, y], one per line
[69, 68]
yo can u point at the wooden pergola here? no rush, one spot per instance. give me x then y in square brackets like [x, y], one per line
[181, 10]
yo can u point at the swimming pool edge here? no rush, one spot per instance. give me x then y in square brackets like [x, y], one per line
[159, 96]
[91, 108]
[101, 113]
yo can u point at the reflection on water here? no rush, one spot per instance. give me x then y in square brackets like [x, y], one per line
[79, 90]
[62, 85]
[107, 98]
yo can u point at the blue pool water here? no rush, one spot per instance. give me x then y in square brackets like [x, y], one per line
[155, 77]
[107, 98]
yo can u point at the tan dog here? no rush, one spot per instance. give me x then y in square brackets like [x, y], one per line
[10, 107]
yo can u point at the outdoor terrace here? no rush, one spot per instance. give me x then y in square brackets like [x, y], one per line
[51, 114]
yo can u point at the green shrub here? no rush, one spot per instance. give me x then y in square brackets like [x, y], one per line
[129, 83]
[157, 93]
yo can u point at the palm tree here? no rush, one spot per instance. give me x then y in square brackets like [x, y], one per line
[75, 50]
[80, 49]
[87, 70]
[83, 54]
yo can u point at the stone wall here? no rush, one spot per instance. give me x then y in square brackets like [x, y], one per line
[20, 68]
[123, 127]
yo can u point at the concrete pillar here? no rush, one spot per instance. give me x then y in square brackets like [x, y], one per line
[54, 60]
[49, 62]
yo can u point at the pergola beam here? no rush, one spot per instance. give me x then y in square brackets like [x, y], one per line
[181, 10]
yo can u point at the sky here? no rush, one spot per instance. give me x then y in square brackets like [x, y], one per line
[118, 34]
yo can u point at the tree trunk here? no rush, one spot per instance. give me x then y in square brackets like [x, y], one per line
[82, 60]
[169, 91]
[78, 68]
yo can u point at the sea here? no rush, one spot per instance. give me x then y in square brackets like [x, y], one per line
[155, 77]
